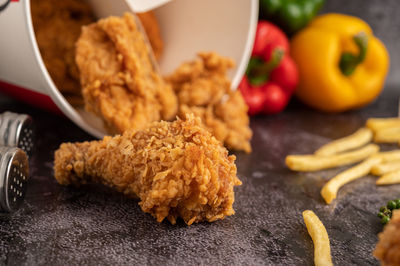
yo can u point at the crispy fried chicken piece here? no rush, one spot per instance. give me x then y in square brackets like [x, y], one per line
[177, 169]
[203, 88]
[57, 27]
[117, 76]
[388, 248]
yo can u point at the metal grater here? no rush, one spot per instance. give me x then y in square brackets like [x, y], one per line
[14, 174]
[17, 130]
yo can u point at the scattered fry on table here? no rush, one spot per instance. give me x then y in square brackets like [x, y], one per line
[389, 178]
[353, 141]
[386, 167]
[380, 123]
[320, 238]
[306, 163]
[330, 189]
[387, 135]
[389, 156]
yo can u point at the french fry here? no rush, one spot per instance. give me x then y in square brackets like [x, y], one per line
[389, 156]
[384, 168]
[306, 163]
[380, 123]
[389, 178]
[387, 135]
[355, 140]
[320, 238]
[329, 190]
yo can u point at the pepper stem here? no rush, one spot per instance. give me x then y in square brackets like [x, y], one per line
[258, 71]
[349, 61]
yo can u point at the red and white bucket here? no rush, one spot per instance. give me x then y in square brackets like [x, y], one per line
[187, 27]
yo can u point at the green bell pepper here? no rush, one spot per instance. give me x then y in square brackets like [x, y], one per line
[290, 15]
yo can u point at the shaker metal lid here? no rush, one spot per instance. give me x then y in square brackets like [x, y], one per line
[17, 130]
[14, 174]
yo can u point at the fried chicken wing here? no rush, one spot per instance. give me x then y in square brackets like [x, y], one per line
[203, 88]
[57, 26]
[388, 248]
[117, 76]
[177, 169]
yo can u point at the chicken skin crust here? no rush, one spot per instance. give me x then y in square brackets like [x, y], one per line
[119, 81]
[388, 248]
[177, 169]
[203, 88]
[57, 26]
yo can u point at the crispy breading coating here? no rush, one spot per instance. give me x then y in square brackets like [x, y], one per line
[388, 248]
[203, 88]
[57, 26]
[117, 76]
[177, 169]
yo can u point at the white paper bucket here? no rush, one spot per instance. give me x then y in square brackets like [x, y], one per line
[187, 27]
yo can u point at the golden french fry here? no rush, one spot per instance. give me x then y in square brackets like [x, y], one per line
[380, 123]
[355, 140]
[330, 189]
[384, 168]
[389, 156]
[320, 238]
[387, 135]
[306, 163]
[389, 178]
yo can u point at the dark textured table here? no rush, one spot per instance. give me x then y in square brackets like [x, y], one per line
[94, 225]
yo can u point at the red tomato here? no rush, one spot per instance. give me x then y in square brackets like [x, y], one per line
[286, 75]
[275, 99]
[253, 96]
[268, 37]
[272, 66]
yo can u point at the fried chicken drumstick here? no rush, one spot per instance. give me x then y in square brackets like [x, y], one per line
[388, 248]
[177, 169]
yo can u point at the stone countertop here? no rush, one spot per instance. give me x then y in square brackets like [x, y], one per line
[94, 225]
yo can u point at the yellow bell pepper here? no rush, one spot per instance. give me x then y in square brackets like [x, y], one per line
[341, 64]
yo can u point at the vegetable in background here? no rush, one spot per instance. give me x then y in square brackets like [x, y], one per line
[385, 212]
[341, 64]
[271, 75]
[290, 15]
